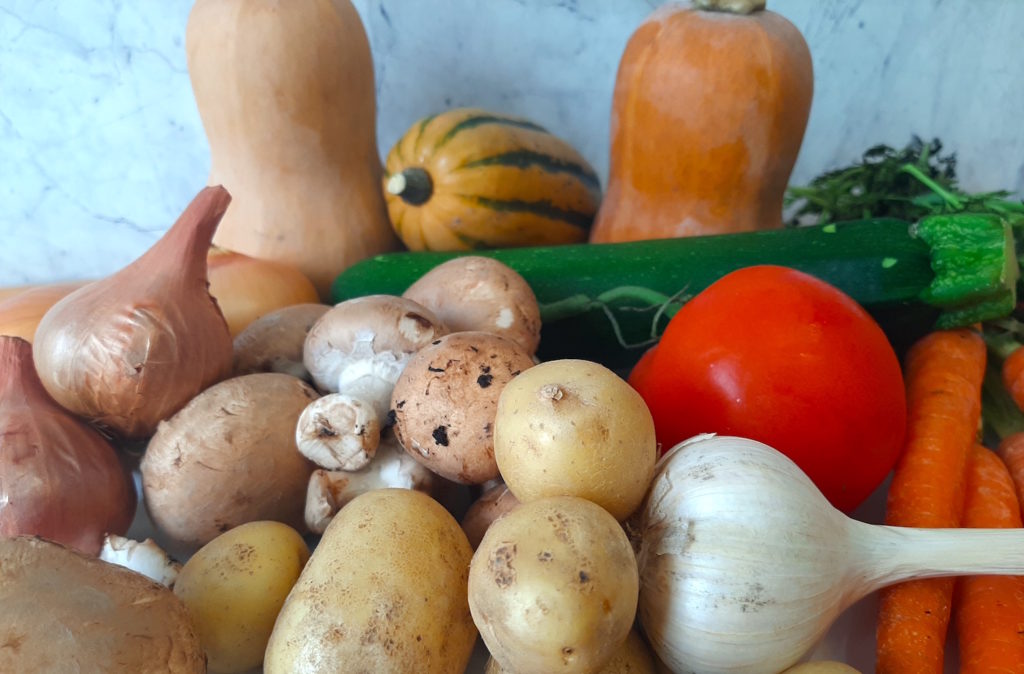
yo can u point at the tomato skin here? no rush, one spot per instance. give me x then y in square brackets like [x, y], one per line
[776, 355]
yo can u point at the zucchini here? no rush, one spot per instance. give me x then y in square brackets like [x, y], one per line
[609, 302]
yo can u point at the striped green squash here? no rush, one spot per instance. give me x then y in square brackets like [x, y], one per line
[468, 179]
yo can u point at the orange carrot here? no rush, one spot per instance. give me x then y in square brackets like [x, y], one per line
[1013, 375]
[1011, 451]
[944, 372]
[989, 610]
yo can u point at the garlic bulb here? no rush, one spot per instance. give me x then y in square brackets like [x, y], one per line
[744, 565]
[130, 350]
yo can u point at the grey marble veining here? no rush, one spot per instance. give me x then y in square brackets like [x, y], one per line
[101, 144]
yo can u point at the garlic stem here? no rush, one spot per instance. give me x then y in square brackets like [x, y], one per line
[887, 555]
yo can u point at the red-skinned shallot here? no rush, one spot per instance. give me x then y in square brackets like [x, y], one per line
[59, 478]
[130, 350]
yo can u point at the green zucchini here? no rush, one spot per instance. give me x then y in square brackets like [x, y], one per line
[609, 302]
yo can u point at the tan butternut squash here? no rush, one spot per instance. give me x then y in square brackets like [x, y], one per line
[285, 91]
[710, 106]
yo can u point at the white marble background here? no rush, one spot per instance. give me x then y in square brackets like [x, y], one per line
[101, 145]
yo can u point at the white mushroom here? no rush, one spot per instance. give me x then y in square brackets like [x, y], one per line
[338, 432]
[358, 349]
[480, 293]
[329, 491]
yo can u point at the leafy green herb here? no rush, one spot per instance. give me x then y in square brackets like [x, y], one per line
[909, 184]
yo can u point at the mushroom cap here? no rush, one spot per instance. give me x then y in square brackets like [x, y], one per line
[274, 341]
[446, 400]
[492, 504]
[480, 293]
[375, 333]
[67, 611]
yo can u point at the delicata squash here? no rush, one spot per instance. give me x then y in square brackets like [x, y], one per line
[468, 179]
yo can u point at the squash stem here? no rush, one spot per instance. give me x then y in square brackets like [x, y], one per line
[413, 185]
[731, 6]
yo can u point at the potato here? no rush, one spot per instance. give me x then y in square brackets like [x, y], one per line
[554, 587]
[65, 612]
[227, 458]
[633, 657]
[575, 428]
[384, 591]
[822, 667]
[234, 587]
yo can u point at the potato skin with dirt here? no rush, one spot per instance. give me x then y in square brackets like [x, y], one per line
[446, 399]
[234, 588]
[822, 667]
[64, 611]
[554, 587]
[575, 428]
[633, 657]
[228, 457]
[384, 591]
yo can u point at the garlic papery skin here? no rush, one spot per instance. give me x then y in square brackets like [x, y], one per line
[129, 351]
[744, 565]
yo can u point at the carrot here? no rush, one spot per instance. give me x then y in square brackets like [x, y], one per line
[1013, 375]
[944, 372]
[989, 610]
[1011, 451]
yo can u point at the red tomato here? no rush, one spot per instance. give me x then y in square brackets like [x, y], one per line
[776, 355]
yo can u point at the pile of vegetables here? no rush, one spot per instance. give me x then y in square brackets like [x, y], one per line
[582, 432]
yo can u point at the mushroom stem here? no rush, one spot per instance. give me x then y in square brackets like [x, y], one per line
[338, 432]
[329, 491]
[372, 386]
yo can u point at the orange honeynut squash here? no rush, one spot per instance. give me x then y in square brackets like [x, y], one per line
[709, 111]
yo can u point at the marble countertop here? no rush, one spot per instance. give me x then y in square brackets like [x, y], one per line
[101, 144]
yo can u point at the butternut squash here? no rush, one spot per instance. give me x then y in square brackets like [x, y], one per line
[468, 179]
[285, 91]
[709, 110]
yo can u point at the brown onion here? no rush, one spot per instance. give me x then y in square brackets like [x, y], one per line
[130, 350]
[247, 288]
[59, 478]
[21, 311]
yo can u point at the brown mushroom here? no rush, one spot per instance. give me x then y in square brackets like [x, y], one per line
[227, 458]
[446, 400]
[273, 342]
[359, 348]
[66, 611]
[480, 293]
[492, 504]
